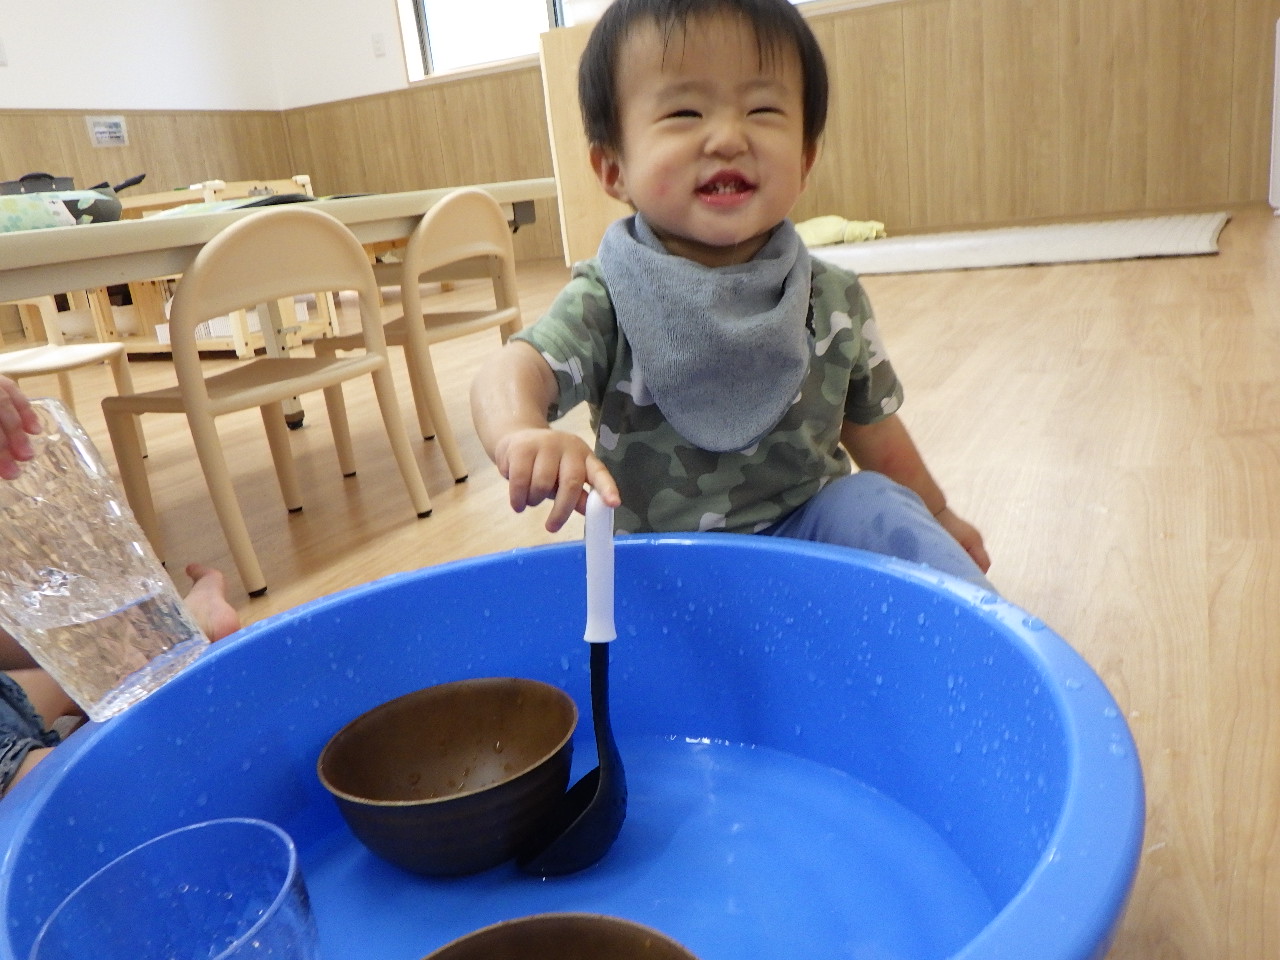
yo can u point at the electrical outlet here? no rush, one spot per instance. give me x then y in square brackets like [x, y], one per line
[379, 45]
[4, 57]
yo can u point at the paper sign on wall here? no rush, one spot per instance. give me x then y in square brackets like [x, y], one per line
[107, 131]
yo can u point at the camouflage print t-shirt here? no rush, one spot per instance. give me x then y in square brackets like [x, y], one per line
[669, 485]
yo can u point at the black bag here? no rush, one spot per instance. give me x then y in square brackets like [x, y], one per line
[36, 183]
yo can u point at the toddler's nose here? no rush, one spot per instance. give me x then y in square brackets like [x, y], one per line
[726, 138]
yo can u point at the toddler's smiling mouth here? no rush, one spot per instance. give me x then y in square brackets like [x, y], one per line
[727, 183]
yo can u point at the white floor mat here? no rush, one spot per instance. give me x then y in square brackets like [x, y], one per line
[1172, 236]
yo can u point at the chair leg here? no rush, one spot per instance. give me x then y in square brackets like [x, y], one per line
[337, 407]
[426, 391]
[125, 431]
[65, 391]
[124, 386]
[282, 455]
[389, 404]
[239, 321]
[327, 314]
[426, 425]
[214, 463]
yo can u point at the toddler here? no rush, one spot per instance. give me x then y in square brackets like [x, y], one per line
[731, 377]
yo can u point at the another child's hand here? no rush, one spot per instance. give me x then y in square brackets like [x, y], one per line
[967, 536]
[17, 421]
[547, 464]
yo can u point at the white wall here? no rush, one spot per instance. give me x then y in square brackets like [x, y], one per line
[325, 49]
[195, 54]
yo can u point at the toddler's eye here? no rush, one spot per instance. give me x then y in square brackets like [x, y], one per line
[775, 110]
[680, 114]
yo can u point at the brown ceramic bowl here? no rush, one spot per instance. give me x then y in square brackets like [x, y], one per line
[564, 936]
[453, 779]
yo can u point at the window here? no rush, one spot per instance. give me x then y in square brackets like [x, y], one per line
[442, 35]
[454, 34]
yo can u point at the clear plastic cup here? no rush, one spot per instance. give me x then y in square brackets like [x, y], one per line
[80, 587]
[218, 890]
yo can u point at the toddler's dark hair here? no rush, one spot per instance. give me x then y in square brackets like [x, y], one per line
[777, 24]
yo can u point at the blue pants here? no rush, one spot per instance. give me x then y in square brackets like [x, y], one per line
[869, 511]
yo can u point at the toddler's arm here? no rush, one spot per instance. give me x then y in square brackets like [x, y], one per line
[17, 420]
[886, 447]
[510, 397]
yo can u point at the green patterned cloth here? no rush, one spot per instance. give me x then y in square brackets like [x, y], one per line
[32, 211]
[667, 483]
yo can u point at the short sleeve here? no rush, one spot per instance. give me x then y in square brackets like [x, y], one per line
[578, 338]
[875, 391]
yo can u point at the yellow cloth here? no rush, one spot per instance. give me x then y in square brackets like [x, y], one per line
[821, 231]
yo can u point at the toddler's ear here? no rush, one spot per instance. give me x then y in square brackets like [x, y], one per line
[608, 168]
[810, 158]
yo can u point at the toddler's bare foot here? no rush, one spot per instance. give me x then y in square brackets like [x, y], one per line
[207, 602]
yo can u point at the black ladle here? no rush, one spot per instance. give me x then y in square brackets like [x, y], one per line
[590, 816]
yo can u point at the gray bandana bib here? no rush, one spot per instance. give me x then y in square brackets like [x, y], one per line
[722, 350]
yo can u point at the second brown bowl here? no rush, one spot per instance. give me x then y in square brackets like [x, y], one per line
[564, 936]
[453, 779]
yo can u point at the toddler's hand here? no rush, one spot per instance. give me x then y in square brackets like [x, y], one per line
[547, 464]
[17, 421]
[967, 536]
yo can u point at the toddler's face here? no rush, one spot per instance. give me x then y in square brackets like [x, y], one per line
[713, 150]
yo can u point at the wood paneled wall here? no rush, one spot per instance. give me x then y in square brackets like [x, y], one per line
[962, 112]
[173, 148]
[477, 129]
[958, 113]
[944, 113]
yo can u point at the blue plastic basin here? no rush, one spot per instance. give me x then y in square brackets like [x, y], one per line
[829, 754]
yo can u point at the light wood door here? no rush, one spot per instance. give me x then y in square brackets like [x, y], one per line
[585, 209]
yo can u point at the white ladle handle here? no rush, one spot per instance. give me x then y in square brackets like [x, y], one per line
[599, 543]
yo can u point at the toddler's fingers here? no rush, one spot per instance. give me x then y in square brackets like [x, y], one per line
[601, 481]
[15, 444]
[546, 478]
[9, 468]
[516, 470]
[569, 492]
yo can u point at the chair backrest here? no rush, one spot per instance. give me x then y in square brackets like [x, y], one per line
[269, 255]
[238, 189]
[468, 224]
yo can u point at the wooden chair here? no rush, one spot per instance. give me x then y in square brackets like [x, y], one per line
[212, 190]
[58, 358]
[465, 235]
[273, 254]
[243, 341]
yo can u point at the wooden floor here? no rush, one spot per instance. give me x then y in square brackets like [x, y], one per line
[1113, 429]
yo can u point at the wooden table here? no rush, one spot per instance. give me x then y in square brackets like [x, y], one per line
[38, 262]
[92, 256]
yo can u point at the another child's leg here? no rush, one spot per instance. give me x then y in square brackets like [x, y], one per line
[23, 737]
[28, 694]
[13, 656]
[34, 756]
[46, 697]
[869, 511]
